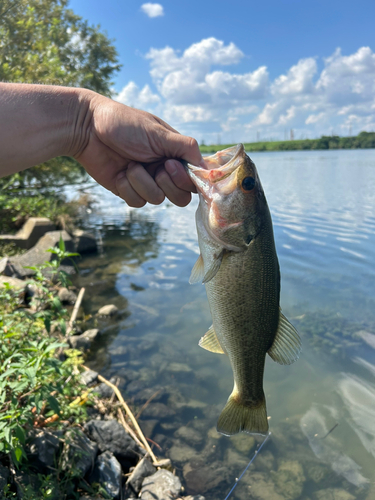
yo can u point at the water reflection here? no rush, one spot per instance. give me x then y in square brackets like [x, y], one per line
[325, 235]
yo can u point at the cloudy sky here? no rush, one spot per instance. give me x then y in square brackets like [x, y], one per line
[236, 71]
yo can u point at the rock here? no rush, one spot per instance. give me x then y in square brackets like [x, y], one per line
[109, 310]
[165, 463]
[7, 268]
[15, 283]
[111, 436]
[79, 452]
[33, 229]
[243, 443]
[194, 497]
[84, 242]
[333, 494]
[158, 411]
[42, 449]
[4, 476]
[67, 296]
[79, 342]
[201, 478]
[162, 485]
[107, 472]
[143, 469]
[89, 377]
[91, 334]
[103, 390]
[260, 487]
[38, 254]
[289, 479]
[135, 386]
[148, 426]
[178, 367]
[181, 452]
[191, 436]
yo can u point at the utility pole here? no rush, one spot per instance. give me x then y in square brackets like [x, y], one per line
[291, 134]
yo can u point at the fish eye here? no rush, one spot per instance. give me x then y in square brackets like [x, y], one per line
[248, 184]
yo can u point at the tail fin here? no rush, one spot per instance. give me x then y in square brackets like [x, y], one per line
[237, 417]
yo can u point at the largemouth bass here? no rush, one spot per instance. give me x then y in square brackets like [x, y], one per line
[238, 265]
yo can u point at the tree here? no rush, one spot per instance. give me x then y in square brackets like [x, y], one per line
[42, 41]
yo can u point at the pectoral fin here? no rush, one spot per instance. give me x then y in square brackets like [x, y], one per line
[210, 342]
[197, 272]
[287, 344]
[214, 268]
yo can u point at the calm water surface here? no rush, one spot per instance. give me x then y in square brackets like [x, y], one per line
[323, 209]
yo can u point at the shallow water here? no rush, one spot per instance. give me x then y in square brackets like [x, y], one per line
[323, 209]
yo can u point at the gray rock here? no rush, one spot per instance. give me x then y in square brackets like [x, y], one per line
[84, 242]
[143, 469]
[103, 390]
[148, 426]
[42, 449]
[79, 452]
[107, 472]
[92, 334]
[67, 296]
[15, 283]
[158, 411]
[201, 478]
[181, 452]
[33, 229]
[333, 494]
[111, 436]
[162, 485]
[7, 268]
[109, 310]
[289, 479]
[79, 342]
[4, 476]
[38, 254]
[89, 377]
[194, 497]
[191, 436]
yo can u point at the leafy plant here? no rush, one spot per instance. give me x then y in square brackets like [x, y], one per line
[36, 387]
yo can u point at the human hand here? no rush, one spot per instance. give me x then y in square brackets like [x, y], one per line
[134, 154]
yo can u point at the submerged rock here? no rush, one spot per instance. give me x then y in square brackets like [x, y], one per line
[289, 479]
[189, 435]
[109, 310]
[260, 487]
[181, 452]
[243, 442]
[332, 494]
[201, 478]
[107, 472]
[158, 411]
[162, 485]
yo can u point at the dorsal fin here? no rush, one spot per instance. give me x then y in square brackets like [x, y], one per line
[210, 341]
[287, 344]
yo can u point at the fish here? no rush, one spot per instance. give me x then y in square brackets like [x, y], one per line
[239, 267]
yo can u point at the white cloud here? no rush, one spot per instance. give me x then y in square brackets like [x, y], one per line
[153, 9]
[195, 95]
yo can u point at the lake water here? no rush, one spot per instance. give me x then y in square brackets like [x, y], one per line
[323, 210]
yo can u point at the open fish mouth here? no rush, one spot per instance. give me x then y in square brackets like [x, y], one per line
[216, 168]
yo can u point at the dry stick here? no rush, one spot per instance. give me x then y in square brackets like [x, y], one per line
[129, 429]
[75, 310]
[129, 413]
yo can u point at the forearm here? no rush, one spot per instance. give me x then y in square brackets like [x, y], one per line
[40, 122]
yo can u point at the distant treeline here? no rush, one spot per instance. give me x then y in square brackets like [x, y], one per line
[364, 140]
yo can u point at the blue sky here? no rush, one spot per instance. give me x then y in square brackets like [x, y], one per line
[234, 71]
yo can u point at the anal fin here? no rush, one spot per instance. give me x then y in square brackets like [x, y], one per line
[210, 342]
[287, 344]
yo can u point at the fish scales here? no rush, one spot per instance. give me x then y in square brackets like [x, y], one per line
[240, 269]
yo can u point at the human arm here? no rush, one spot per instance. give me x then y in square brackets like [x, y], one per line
[130, 152]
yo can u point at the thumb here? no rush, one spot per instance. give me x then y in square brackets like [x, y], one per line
[183, 147]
